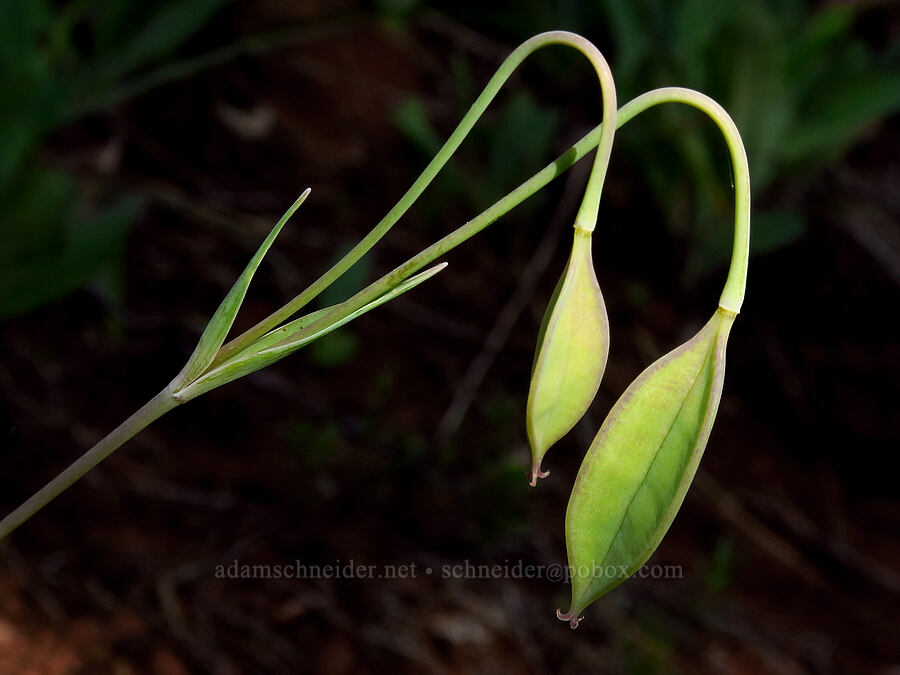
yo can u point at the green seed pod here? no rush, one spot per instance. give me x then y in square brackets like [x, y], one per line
[572, 348]
[639, 467]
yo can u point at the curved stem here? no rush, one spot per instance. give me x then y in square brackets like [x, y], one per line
[587, 214]
[733, 293]
[736, 283]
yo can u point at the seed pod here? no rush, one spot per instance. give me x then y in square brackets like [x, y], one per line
[639, 467]
[572, 348]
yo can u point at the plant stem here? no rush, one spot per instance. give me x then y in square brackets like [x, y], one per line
[736, 283]
[150, 411]
[587, 215]
[733, 293]
[731, 299]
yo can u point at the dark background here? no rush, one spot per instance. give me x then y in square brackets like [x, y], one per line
[145, 150]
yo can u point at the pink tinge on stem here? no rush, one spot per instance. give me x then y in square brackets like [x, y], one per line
[537, 473]
[571, 616]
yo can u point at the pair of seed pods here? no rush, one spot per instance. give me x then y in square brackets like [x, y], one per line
[637, 470]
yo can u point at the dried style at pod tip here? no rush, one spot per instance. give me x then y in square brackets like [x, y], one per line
[639, 467]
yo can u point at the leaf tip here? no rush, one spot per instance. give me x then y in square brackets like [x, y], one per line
[294, 207]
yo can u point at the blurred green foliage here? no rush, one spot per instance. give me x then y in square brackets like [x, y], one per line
[496, 152]
[720, 567]
[800, 82]
[58, 61]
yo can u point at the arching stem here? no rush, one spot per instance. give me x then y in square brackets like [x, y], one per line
[731, 299]
[735, 284]
[587, 214]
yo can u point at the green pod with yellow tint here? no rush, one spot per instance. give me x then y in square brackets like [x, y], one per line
[571, 356]
[638, 469]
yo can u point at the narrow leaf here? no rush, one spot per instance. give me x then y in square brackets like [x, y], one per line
[218, 327]
[281, 334]
[639, 467]
[253, 360]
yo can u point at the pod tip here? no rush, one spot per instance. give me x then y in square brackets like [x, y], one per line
[536, 473]
[571, 616]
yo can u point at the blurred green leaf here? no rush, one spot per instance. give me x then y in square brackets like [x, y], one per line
[520, 142]
[30, 91]
[395, 12]
[841, 113]
[630, 39]
[129, 35]
[49, 250]
[720, 570]
[35, 205]
[335, 349]
[411, 119]
[775, 229]
[348, 283]
[48, 247]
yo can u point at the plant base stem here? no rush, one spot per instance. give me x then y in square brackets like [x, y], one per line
[155, 408]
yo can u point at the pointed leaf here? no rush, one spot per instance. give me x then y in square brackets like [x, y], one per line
[641, 463]
[218, 327]
[251, 361]
[571, 355]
